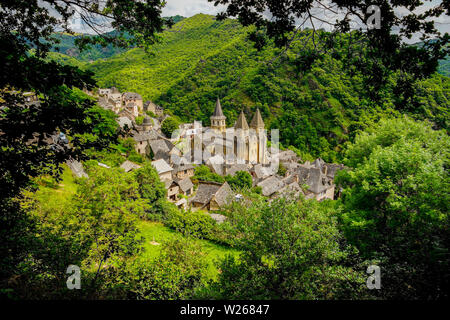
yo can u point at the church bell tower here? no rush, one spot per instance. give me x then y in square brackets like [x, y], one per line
[218, 119]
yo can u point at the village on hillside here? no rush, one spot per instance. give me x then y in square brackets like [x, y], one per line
[240, 148]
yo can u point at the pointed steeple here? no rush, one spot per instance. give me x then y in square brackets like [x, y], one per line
[218, 110]
[241, 122]
[218, 118]
[257, 121]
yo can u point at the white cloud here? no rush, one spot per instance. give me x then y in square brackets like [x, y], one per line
[188, 8]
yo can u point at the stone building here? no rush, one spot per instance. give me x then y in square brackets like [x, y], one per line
[182, 171]
[241, 143]
[186, 186]
[212, 196]
[163, 169]
[132, 97]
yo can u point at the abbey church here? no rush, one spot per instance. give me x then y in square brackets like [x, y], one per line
[239, 144]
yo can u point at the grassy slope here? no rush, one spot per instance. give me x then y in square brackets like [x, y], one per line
[155, 231]
[56, 197]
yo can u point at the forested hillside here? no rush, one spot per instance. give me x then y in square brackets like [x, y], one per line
[317, 110]
[66, 46]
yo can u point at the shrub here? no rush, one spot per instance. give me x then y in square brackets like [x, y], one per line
[196, 224]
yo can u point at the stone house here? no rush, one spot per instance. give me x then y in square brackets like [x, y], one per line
[133, 109]
[260, 172]
[173, 190]
[163, 169]
[104, 92]
[186, 186]
[271, 185]
[183, 171]
[150, 106]
[321, 186]
[127, 113]
[212, 196]
[142, 141]
[132, 97]
[114, 94]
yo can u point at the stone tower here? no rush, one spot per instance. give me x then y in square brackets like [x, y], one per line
[218, 119]
[147, 124]
[259, 154]
[241, 139]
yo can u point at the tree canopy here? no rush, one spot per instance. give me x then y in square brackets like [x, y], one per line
[396, 205]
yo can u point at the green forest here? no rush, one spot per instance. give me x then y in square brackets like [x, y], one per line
[392, 199]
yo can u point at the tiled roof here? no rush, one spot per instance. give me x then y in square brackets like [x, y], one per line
[185, 184]
[241, 122]
[128, 166]
[257, 121]
[161, 166]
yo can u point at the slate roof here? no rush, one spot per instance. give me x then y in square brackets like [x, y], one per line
[105, 103]
[241, 122]
[236, 167]
[319, 163]
[290, 179]
[262, 172]
[205, 192]
[216, 168]
[167, 183]
[160, 154]
[184, 184]
[224, 195]
[126, 113]
[182, 166]
[314, 178]
[124, 121]
[161, 166]
[147, 120]
[270, 186]
[291, 166]
[131, 96]
[257, 121]
[147, 136]
[332, 168]
[128, 166]
[287, 155]
[159, 145]
[218, 111]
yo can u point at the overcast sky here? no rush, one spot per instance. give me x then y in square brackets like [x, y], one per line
[188, 8]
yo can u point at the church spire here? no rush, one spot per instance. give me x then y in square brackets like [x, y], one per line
[218, 110]
[218, 118]
[257, 121]
[241, 122]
